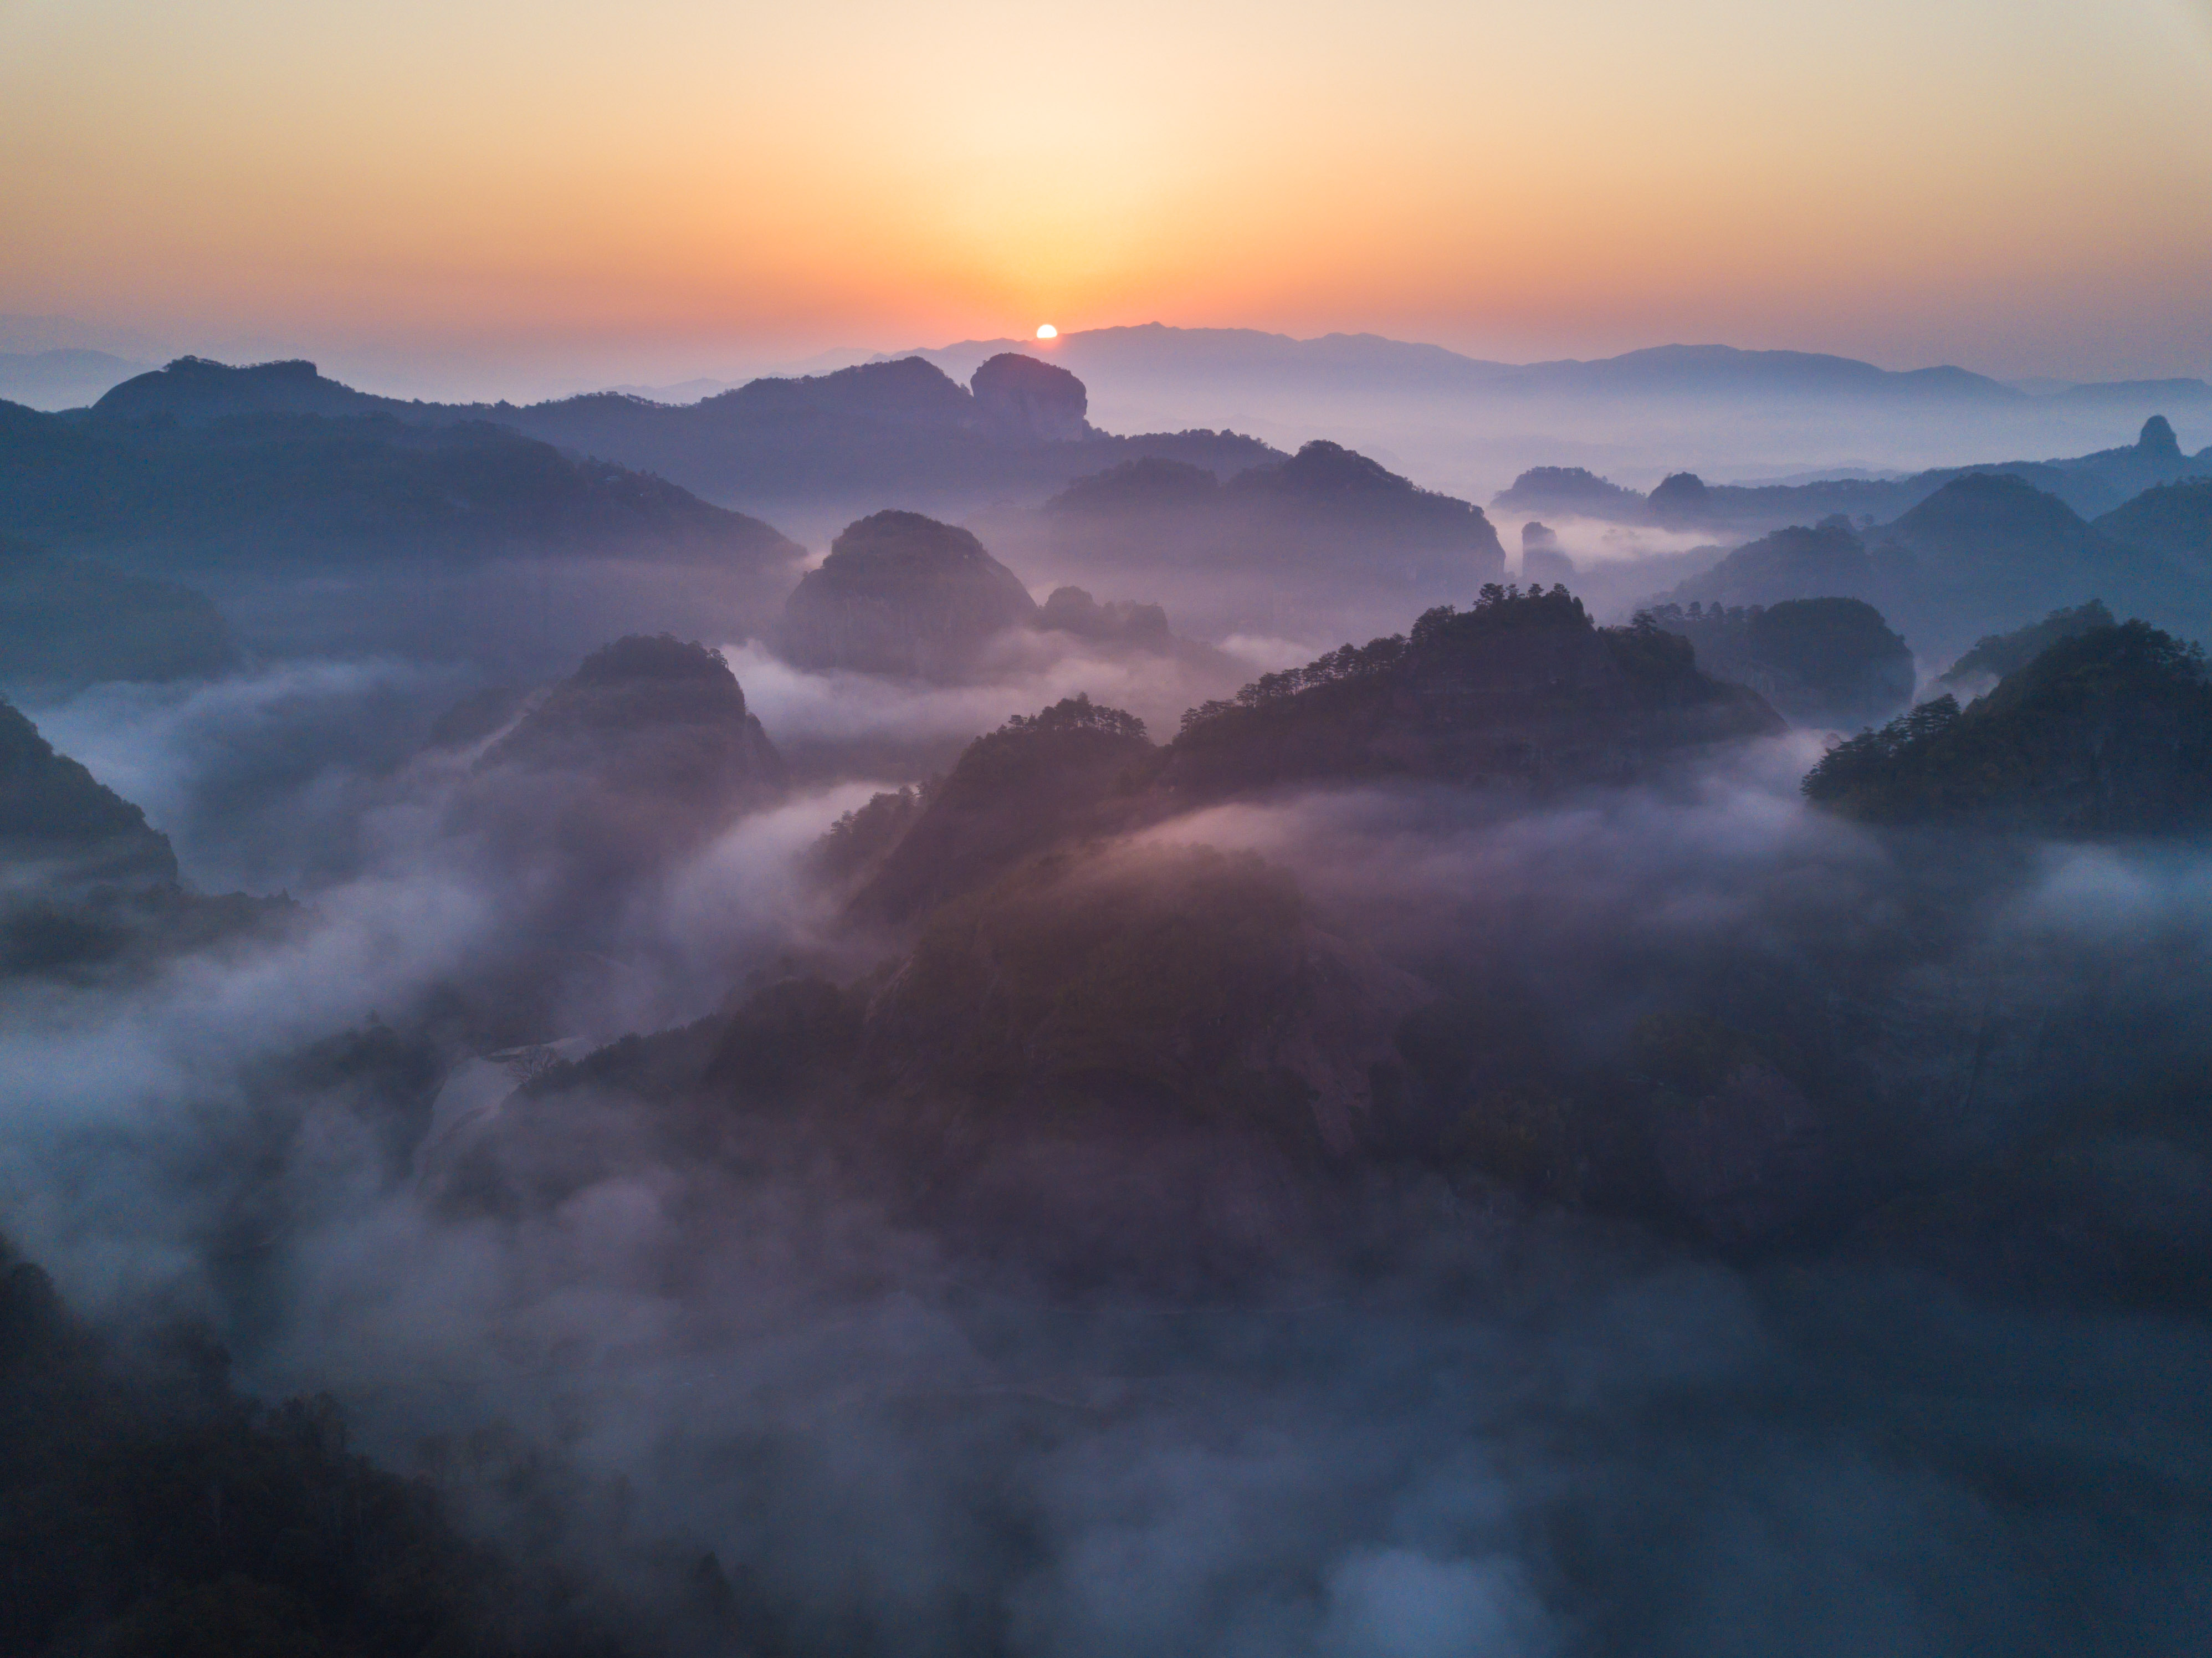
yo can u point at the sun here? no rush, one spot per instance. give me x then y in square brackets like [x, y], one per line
[1046, 331]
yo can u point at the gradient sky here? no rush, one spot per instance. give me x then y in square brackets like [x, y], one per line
[672, 187]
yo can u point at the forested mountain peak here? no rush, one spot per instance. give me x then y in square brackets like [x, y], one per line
[2106, 731]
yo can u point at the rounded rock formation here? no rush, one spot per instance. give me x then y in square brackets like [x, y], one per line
[904, 595]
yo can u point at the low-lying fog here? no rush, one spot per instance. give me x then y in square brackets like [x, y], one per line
[1490, 1429]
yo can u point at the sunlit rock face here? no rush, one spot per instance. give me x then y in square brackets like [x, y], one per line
[1019, 397]
[904, 595]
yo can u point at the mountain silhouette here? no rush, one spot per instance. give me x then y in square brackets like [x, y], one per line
[367, 533]
[1996, 655]
[1521, 689]
[1252, 360]
[1986, 550]
[899, 424]
[1830, 662]
[2172, 519]
[905, 595]
[2090, 483]
[59, 821]
[1327, 509]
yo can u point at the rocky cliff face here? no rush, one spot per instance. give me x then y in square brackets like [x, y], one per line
[904, 595]
[1021, 399]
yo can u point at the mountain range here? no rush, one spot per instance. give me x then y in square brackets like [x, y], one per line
[1987, 550]
[1371, 364]
[2090, 484]
[901, 426]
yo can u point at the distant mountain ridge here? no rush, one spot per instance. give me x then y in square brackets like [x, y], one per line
[259, 472]
[1346, 362]
[898, 425]
[2091, 483]
[351, 529]
[1987, 548]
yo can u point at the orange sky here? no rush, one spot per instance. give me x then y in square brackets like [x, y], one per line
[674, 186]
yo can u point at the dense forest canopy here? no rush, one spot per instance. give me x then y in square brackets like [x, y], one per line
[2105, 730]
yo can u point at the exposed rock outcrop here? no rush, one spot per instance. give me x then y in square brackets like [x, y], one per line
[1024, 400]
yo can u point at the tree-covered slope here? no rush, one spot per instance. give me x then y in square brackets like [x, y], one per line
[1521, 688]
[2105, 732]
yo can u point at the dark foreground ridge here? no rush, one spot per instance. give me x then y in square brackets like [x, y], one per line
[173, 1517]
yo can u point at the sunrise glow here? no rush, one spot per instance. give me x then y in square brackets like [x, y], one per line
[2025, 191]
